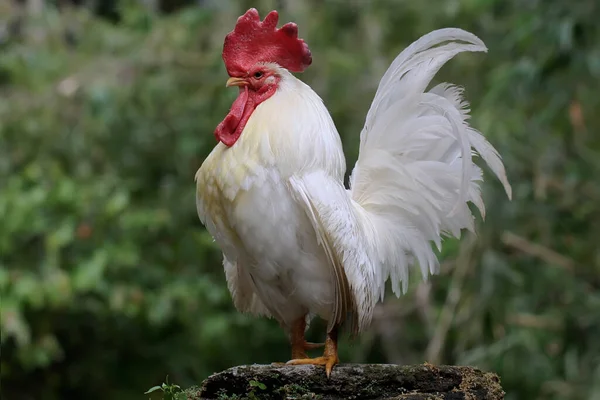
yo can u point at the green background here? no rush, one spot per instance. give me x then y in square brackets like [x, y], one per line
[108, 281]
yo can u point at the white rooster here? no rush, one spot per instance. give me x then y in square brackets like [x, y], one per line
[297, 243]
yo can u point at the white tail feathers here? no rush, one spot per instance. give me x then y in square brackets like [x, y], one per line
[415, 176]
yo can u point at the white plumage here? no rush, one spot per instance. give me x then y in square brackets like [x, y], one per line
[296, 241]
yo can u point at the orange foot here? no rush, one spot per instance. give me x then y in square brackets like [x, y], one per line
[299, 345]
[299, 351]
[329, 358]
[328, 361]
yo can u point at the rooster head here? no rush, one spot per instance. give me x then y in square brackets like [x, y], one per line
[253, 52]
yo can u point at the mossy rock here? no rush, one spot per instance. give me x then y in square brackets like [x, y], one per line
[350, 381]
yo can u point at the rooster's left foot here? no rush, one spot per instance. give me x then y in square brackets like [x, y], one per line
[299, 352]
[327, 361]
[300, 346]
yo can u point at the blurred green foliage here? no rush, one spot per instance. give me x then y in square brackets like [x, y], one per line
[108, 281]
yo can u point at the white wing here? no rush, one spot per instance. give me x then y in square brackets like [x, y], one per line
[415, 176]
[341, 232]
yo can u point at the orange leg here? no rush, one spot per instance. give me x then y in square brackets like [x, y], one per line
[299, 344]
[329, 358]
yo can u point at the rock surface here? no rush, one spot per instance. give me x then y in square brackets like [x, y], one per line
[350, 381]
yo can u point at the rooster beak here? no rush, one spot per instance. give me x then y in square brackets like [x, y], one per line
[236, 82]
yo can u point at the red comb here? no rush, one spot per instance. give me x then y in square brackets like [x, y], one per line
[254, 41]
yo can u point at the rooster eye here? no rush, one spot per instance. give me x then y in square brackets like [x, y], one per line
[258, 74]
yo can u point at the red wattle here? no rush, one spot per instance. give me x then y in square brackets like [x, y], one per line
[230, 129]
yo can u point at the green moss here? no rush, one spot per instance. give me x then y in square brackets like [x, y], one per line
[296, 391]
[223, 396]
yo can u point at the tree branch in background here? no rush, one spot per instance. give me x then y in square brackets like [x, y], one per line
[537, 250]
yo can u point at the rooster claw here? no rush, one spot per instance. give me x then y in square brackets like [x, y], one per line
[327, 361]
